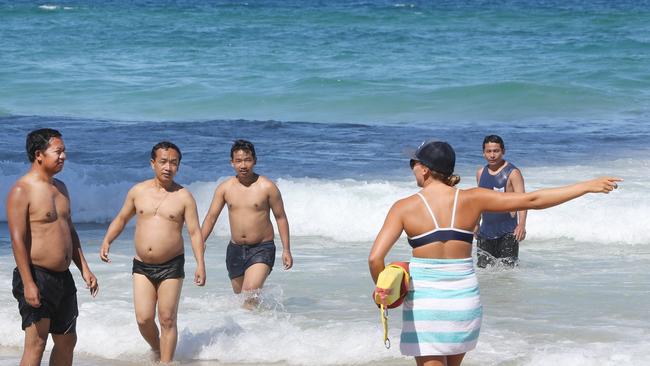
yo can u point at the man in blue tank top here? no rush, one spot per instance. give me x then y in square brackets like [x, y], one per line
[499, 233]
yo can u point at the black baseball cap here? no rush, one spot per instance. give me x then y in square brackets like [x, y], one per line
[436, 155]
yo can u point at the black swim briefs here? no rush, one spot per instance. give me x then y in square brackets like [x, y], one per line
[174, 268]
[504, 249]
[58, 295]
[240, 257]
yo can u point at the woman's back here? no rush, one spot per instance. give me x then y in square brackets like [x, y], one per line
[433, 221]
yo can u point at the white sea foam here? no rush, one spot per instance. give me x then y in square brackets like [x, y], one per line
[213, 327]
[49, 7]
[350, 210]
[558, 305]
[620, 216]
[503, 346]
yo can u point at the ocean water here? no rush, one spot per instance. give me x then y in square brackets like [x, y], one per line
[333, 94]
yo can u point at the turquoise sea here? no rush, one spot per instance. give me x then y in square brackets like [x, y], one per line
[332, 93]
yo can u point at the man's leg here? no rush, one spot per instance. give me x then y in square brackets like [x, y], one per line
[169, 294]
[509, 250]
[63, 326]
[485, 252]
[35, 341]
[237, 284]
[254, 278]
[235, 266]
[144, 302]
[63, 349]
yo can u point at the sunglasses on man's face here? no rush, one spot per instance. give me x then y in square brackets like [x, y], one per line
[412, 163]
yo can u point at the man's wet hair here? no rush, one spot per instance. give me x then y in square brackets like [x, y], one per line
[165, 145]
[495, 139]
[39, 140]
[243, 145]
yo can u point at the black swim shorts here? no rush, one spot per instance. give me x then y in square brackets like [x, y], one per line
[174, 268]
[58, 295]
[240, 257]
[504, 249]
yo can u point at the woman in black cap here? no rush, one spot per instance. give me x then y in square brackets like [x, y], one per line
[442, 312]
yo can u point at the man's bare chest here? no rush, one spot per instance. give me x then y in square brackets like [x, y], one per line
[164, 206]
[240, 199]
[48, 206]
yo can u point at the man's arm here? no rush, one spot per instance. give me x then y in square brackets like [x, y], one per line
[80, 261]
[218, 201]
[277, 206]
[17, 218]
[198, 247]
[517, 181]
[77, 253]
[118, 224]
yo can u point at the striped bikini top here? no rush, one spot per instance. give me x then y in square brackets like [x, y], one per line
[441, 233]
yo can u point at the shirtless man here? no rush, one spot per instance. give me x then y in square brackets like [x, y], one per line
[162, 207]
[250, 198]
[499, 233]
[44, 242]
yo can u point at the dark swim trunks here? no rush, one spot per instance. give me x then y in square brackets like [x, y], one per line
[58, 295]
[240, 257]
[504, 250]
[174, 268]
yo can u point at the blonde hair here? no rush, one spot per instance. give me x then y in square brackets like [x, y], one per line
[450, 180]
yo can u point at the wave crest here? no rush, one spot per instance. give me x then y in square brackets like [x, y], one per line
[348, 210]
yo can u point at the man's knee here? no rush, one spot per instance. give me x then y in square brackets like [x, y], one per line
[251, 289]
[255, 277]
[65, 342]
[253, 285]
[35, 345]
[144, 319]
[167, 320]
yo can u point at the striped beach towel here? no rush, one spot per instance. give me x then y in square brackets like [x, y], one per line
[442, 312]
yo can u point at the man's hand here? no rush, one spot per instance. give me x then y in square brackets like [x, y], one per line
[520, 232]
[91, 282]
[199, 276]
[287, 259]
[103, 252]
[32, 295]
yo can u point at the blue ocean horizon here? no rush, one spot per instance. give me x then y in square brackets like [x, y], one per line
[383, 62]
[548, 76]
